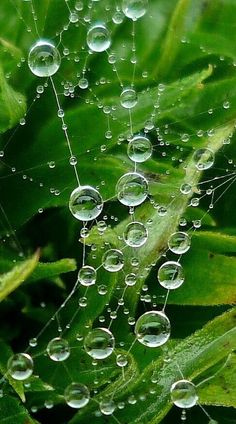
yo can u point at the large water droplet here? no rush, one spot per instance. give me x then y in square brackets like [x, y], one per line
[204, 159]
[87, 275]
[135, 234]
[152, 329]
[113, 260]
[98, 38]
[183, 394]
[134, 9]
[139, 149]
[20, 366]
[99, 343]
[179, 242]
[171, 275]
[58, 349]
[128, 98]
[44, 59]
[77, 395]
[107, 406]
[85, 203]
[132, 189]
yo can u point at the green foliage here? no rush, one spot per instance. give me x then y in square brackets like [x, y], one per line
[187, 49]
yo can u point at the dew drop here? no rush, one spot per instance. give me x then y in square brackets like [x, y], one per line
[134, 9]
[203, 159]
[20, 366]
[139, 149]
[107, 406]
[44, 59]
[85, 203]
[171, 275]
[128, 98]
[113, 260]
[135, 234]
[132, 189]
[77, 395]
[99, 343]
[58, 349]
[152, 329]
[122, 360]
[87, 275]
[179, 243]
[183, 394]
[98, 38]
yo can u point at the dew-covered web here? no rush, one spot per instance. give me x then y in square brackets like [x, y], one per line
[111, 144]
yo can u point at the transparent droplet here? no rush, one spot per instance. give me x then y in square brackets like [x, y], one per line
[83, 83]
[44, 59]
[183, 394]
[107, 406]
[58, 349]
[122, 360]
[85, 203]
[139, 149]
[87, 275]
[179, 243]
[152, 329]
[171, 275]
[130, 279]
[73, 160]
[98, 38]
[113, 260]
[77, 395]
[99, 343]
[20, 366]
[185, 188]
[135, 234]
[134, 9]
[128, 98]
[203, 159]
[132, 189]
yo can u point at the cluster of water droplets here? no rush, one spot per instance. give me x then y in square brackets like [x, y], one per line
[152, 329]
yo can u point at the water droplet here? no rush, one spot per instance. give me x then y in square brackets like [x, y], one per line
[203, 158]
[107, 406]
[99, 343]
[179, 243]
[85, 203]
[113, 260]
[171, 275]
[135, 234]
[20, 366]
[73, 18]
[183, 394]
[128, 98]
[44, 59]
[134, 9]
[185, 188]
[58, 349]
[130, 279]
[77, 395]
[139, 149]
[87, 275]
[152, 329]
[98, 38]
[132, 189]
[122, 360]
[83, 83]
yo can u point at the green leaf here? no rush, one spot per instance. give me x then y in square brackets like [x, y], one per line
[172, 40]
[14, 278]
[194, 355]
[12, 412]
[12, 104]
[49, 270]
[216, 287]
[219, 387]
[5, 354]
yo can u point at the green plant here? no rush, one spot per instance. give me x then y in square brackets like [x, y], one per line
[179, 60]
